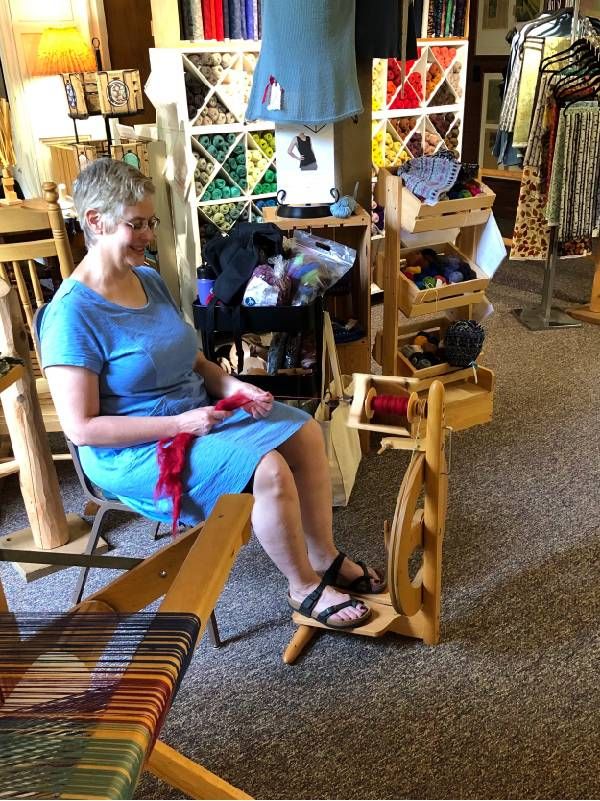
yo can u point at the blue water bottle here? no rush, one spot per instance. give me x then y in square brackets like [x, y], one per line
[206, 281]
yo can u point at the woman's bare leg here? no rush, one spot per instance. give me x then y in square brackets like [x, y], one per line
[305, 454]
[277, 523]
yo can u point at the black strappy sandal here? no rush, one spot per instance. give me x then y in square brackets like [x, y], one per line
[307, 606]
[362, 585]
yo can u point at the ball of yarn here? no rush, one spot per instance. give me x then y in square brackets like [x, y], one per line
[463, 342]
[455, 277]
[344, 207]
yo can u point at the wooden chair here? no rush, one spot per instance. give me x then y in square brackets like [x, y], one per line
[411, 606]
[41, 219]
[83, 695]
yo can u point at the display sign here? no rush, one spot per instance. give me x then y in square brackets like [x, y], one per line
[306, 163]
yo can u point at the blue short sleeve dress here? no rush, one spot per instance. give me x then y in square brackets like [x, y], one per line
[143, 359]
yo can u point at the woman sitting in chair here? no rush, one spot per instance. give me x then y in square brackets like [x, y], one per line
[125, 371]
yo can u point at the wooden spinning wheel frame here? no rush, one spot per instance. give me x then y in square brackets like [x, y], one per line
[411, 606]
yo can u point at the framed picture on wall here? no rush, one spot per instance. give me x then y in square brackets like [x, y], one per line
[495, 18]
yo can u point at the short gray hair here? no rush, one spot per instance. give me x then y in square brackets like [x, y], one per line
[108, 186]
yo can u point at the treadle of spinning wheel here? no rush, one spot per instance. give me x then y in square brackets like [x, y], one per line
[382, 617]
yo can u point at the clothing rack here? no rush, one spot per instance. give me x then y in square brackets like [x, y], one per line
[544, 316]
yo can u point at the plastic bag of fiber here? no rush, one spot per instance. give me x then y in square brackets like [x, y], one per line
[316, 265]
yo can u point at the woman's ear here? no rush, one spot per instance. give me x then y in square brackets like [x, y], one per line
[94, 221]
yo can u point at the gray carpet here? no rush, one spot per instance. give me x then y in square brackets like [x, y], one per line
[506, 706]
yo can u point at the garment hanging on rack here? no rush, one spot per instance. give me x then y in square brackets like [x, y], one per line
[308, 50]
[546, 26]
[561, 173]
[579, 198]
[533, 50]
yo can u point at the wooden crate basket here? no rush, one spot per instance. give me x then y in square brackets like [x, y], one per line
[407, 368]
[414, 302]
[460, 213]
[417, 217]
[69, 158]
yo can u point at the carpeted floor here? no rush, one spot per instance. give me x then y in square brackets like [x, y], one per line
[506, 706]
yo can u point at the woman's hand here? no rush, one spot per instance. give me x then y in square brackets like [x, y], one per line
[261, 402]
[200, 421]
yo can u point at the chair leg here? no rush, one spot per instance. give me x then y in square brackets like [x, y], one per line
[89, 549]
[213, 631]
[158, 536]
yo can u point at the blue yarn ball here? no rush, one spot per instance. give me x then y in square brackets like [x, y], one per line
[455, 277]
[344, 207]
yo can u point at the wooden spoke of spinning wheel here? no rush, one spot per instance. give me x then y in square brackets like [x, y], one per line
[406, 535]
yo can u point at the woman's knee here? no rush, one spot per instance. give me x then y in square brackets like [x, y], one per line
[273, 476]
[307, 440]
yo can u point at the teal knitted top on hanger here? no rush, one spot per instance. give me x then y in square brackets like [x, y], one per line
[308, 55]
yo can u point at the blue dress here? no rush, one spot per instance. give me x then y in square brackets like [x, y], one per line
[143, 359]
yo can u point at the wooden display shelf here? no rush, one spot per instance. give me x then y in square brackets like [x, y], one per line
[406, 367]
[400, 293]
[418, 217]
[354, 231]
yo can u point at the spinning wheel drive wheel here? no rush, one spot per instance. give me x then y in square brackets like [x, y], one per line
[406, 535]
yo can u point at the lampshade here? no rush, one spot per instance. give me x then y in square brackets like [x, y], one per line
[63, 50]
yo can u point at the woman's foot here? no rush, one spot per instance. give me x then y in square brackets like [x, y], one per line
[353, 577]
[329, 606]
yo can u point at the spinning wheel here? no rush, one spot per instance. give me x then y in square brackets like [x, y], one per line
[412, 605]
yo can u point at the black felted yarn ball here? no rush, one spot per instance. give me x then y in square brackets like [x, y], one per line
[463, 342]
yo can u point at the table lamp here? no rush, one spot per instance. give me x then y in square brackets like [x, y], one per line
[64, 50]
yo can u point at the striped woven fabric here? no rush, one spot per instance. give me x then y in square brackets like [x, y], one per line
[83, 697]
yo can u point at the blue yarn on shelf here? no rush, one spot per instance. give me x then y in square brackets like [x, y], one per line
[344, 207]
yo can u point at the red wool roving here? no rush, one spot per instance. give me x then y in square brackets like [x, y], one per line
[172, 453]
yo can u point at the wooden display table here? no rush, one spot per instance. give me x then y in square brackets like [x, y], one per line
[590, 313]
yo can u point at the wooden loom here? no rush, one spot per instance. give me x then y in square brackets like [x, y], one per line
[83, 695]
[411, 606]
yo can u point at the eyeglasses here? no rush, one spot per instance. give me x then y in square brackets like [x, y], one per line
[142, 225]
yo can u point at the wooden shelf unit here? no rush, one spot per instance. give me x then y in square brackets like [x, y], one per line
[395, 291]
[355, 231]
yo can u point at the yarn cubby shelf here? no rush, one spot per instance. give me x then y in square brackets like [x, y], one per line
[235, 162]
[201, 119]
[434, 86]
